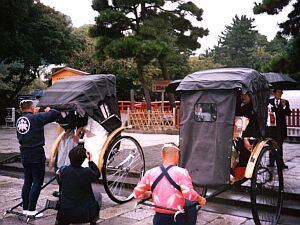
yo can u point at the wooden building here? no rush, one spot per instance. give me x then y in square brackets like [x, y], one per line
[64, 73]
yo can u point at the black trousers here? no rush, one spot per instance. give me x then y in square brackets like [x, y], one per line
[244, 154]
[279, 152]
[278, 135]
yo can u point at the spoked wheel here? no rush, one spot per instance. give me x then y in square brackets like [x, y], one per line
[267, 189]
[123, 167]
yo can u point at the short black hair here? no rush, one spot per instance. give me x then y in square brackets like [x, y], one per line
[26, 104]
[275, 89]
[77, 155]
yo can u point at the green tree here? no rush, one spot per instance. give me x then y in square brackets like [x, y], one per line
[85, 58]
[44, 37]
[144, 31]
[32, 37]
[202, 63]
[290, 62]
[236, 43]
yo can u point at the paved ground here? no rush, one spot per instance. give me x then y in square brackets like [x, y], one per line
[113, 213]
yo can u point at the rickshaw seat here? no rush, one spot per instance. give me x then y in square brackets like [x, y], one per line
[111, 123]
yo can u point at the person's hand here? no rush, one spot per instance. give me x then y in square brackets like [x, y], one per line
[50, 165]
[47, 109]
[57, 172]
[76, 138]
[89, 156]
[201, 201]
[36, 109]
[147, 194]
[247, 145]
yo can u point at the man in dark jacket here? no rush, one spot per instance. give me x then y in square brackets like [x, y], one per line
[30, 133]
[78, 203]
[281, 107]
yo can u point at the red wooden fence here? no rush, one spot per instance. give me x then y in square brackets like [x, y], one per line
[292, 121]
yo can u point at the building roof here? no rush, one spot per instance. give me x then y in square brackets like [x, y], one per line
[69, 69]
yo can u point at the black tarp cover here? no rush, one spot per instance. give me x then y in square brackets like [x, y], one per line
[82, 94]
[206, 146]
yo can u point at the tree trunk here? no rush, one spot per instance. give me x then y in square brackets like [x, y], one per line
[142, 80]
[166, 76]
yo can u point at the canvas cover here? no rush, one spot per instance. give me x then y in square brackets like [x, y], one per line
[206, 146]
[206, 143]
[84, 94]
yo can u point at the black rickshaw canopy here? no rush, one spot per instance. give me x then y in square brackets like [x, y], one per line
[83, 94]
[244, 79]
[206, 144]
[248, 80]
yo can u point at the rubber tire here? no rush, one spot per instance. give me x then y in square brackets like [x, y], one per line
[105, 173]
[255, 189]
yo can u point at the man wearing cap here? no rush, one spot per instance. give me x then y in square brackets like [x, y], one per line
[281, 107]
[30, 133]
[170, 186]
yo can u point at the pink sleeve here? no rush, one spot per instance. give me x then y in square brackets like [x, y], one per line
[187, 187]
[142, 187]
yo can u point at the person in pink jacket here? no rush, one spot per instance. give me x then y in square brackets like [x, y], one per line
[170, 187]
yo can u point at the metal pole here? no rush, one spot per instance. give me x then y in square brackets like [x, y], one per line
[162, 101]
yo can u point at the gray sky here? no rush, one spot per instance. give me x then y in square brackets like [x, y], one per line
[217, 14]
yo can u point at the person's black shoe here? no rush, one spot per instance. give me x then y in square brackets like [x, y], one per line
[285, 166]
[270, 165]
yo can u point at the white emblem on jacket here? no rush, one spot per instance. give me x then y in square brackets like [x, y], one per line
[23, 125]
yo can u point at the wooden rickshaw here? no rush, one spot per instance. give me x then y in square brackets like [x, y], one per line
[207, 121]
[121, 159]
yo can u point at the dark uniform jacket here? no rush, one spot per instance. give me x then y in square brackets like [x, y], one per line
[280, 113]
[78, 204]
[30, 133]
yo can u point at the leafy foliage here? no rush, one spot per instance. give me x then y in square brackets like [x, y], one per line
[240, 45]
[32, 36]
[236, 43]
[290, 62]
[145, 31]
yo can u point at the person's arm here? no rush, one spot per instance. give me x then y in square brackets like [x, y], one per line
[143, 187]
[188, 191]
[94, 173]
[49, 116]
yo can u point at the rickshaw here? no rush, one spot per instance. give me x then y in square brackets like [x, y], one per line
[208, 128]
[121, 158]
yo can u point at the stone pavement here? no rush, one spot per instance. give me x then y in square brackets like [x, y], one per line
[113, 213]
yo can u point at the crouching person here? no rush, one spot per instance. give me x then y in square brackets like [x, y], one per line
[171, 187]
[78, 202]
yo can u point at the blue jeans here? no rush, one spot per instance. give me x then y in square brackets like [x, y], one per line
[33, 180]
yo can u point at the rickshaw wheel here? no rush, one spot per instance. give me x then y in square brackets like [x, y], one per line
[123, 167]
[267, 189]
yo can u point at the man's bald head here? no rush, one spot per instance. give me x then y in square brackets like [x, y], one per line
[170, 153]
